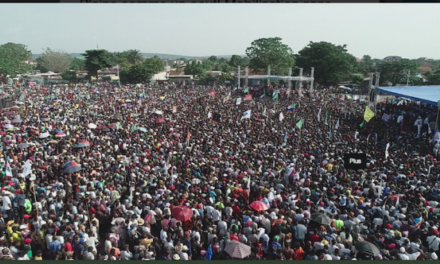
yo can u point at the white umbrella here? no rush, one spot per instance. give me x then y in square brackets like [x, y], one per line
[92, 126]
[44, 135]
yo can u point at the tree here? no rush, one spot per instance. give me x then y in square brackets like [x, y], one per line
[332, 63]
[40, 65]
[366, 65]
[133, 56]
[13, 59]
[69, 76]
[55, 61]
[196, 69]
[357, 79]
[271, 52]
[97, 60]
[433, 77]
[78, 64]
[143, 71]
[213, 59]
[235, 61]
[397, 71]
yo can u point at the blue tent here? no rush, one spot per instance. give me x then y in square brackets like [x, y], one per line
[424, 94]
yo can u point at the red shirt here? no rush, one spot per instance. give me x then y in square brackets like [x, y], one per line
[69, 247]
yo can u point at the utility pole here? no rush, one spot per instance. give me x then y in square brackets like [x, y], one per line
[268, 75]
[312, 75]
[289, 82]
[246, 71]
[238, 77]
[407, 78]
[300, 83]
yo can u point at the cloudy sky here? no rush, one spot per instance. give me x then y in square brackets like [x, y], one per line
[379, 30]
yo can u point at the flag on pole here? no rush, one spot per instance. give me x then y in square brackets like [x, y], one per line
[262, 96]
[418, 222]
[246, 115]
[285, 139]
[134, 128]
[386, 151]
[319, 115]
[188, 136]
[337, 125]
[8, 170]
[368, 114]
[265, 111]
[300, 124]
[291, 108]
[281, 116]
[246, 90]
[275, 95]
[27, 168]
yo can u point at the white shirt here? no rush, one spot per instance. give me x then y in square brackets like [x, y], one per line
[6, 203]
[216, 215]
[433, 242]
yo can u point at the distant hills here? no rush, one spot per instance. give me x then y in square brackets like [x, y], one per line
[149, 55]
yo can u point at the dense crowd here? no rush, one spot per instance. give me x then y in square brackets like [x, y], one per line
[193, 173]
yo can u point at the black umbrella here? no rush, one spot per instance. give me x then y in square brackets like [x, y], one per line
[321, 219]
[367, 248]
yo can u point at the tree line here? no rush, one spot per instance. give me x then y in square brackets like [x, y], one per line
[332, 64]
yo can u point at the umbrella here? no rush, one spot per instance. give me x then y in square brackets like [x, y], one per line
[159, 120]
[259, 206]
[142, 129]
[8, 126]
[92, 126]
[83, 144]
[115, 126]
[237, 249]
[2, 133]
[71, 169]
[17, 121]
[70, 163]
[53, 142]
[57, 131]
[367, 248]
[321, 219]
[44, 135]
[182, 213]
[22, 146]
[7, 122]
[102, 127]
[60, 135]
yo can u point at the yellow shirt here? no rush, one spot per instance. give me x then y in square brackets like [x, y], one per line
[329, 167]
[16, 237]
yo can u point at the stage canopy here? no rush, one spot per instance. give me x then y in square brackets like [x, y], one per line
[424, 94]
[293, 78]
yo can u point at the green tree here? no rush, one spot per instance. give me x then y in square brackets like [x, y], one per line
[235, 61]
[271, 52]
[69, 76]
[13, 59]
[78, 64]
[397, 71]
[332, 63]
[55, 61]
[433, 77]
[142, 72]
[213, 59]
[97, 60]
[207, 65]
[40, 65]
[357, 79]
[366, 65]
[133, 56]
[195, 68]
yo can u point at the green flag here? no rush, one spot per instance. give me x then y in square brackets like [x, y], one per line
[361, 125]
[300, 124]
[134, 128]
[275, 95]
[246, 90]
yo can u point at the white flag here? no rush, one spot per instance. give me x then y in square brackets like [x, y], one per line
[249, 182]
[27, 168]
[246, 114]
[386, 151]
[319, 115]
[337, 125]
[209, 115]
[281, 116]
[8, 170]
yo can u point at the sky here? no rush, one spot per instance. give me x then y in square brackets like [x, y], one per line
[378, 30]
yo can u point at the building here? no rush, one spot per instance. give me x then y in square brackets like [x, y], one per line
[392, 58]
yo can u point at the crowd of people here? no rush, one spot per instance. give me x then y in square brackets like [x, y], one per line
[207, 173]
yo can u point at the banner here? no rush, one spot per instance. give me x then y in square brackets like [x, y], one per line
[355, 161]
[248, 97]
[27, 168]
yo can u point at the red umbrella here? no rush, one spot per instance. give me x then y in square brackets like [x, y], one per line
[159, 120]
[102, 127]
[259, 206]
[182, 213]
